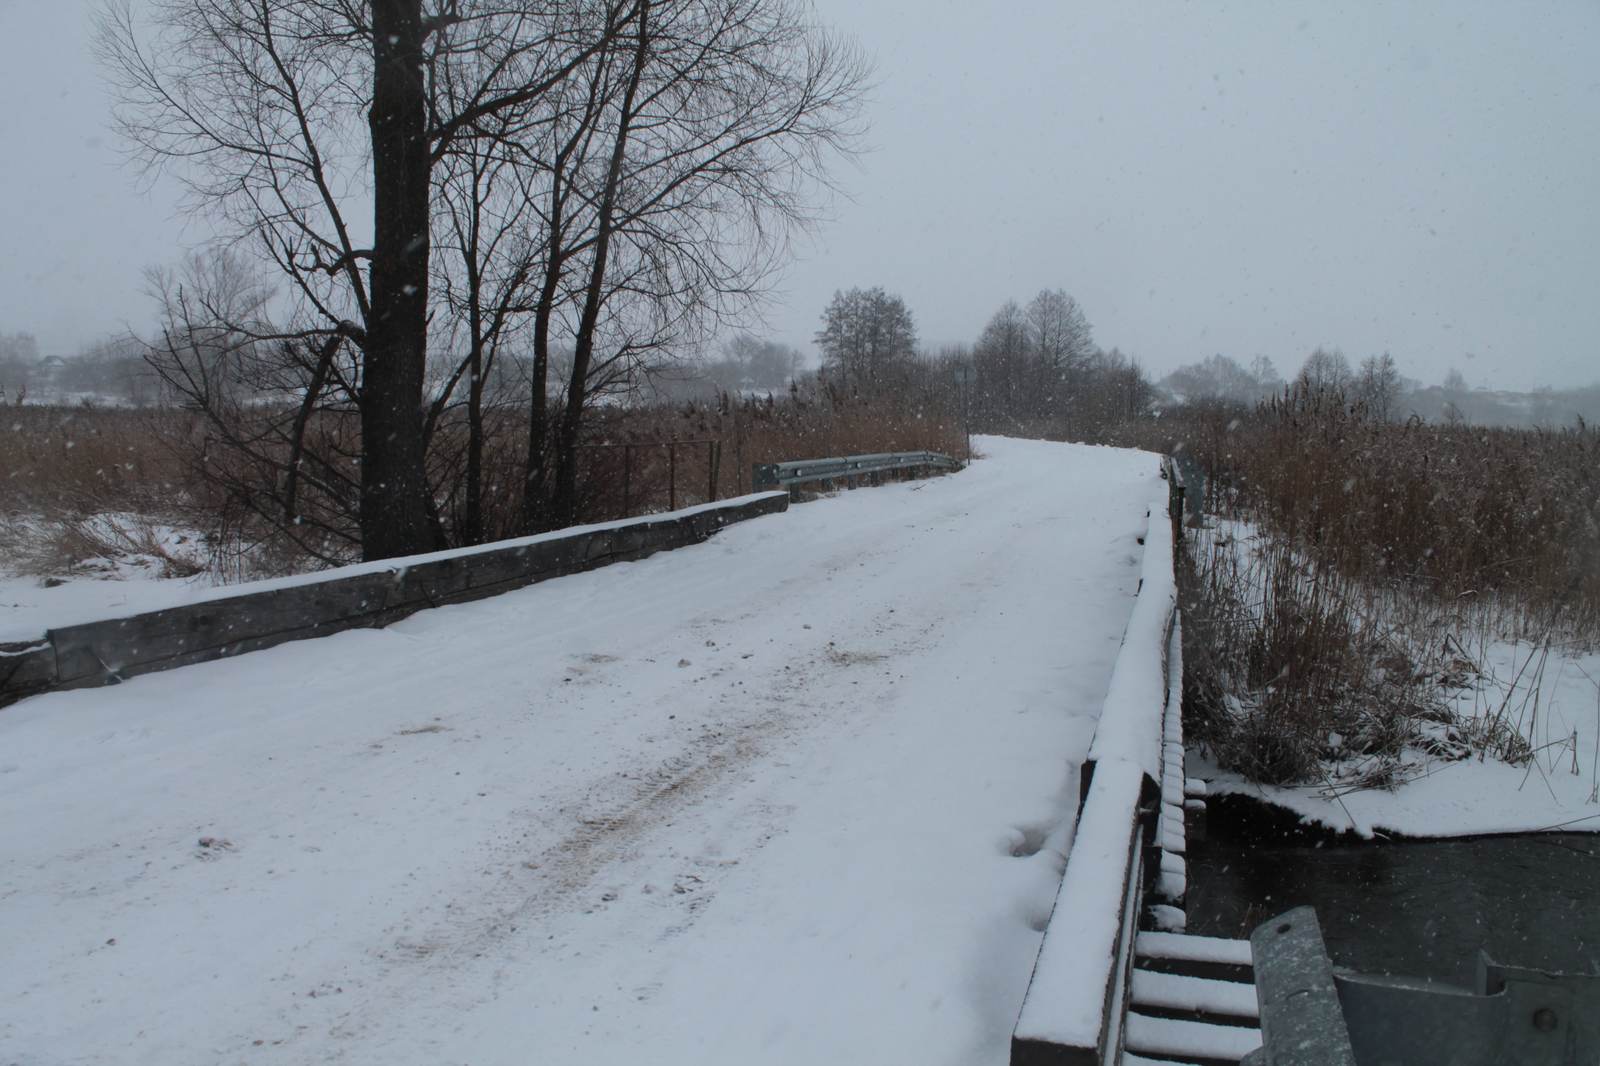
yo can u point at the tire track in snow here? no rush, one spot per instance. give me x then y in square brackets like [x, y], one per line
[614, 823]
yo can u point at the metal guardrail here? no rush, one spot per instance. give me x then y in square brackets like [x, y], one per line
[1301, 1023]
[1314, 1015]
[765, 476]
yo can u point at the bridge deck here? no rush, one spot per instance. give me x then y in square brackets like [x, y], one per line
[798, 794]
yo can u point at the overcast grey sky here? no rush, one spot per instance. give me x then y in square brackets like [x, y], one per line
[1253, 178]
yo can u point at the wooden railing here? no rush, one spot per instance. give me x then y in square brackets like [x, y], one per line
[1077, 1000]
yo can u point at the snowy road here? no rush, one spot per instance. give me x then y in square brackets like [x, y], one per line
[796, 795]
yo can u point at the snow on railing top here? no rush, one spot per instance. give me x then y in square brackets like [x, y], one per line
[184, 594]
[1130, 724]
[242, 618]
[1076, 976]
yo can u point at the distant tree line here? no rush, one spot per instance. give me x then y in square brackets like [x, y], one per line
[111, 372]
[1035, 368]
[1376, 388]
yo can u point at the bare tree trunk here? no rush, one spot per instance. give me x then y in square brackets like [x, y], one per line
[536, 472]
[472, 522]
[395, 516]
[297, 435]
[534, 487]
[564, 499]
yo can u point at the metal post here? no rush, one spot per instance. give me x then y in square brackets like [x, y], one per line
[711, 471]
[964, 375]
[627, 481]
[672, 475]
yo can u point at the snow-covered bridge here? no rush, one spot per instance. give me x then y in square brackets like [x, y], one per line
[798, 794]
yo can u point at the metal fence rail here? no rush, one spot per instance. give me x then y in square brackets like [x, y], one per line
[786, 475]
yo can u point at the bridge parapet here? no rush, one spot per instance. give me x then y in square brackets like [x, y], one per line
[1126, 843]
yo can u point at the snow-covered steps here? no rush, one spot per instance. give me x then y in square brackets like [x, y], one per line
[1194, 956]
[1177, 995]
[1199, 1043]
[1192, 1001]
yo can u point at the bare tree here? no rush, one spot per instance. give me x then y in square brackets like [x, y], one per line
[1268, 380]
[1063, 344]
[867, 339]
[278, 436]
[716, 119]
[19, 358]
[1378, 386]
[277, 109]
[1326, 370]
[749, 362]
[1004, 361]
[489, 245]
[609, 179]
[1217, 377]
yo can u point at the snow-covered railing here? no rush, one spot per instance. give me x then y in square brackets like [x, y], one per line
[1130, 727]
[1077, 1000]
[803, 471]
[366, 595]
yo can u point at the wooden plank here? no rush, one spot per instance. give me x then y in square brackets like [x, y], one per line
[1195, 956]
[1153, 945]
[1193, 995]
[1190, 1041]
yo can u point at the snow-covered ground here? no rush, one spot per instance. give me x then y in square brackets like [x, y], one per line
[1545, 692]
[795, 795]
[1557, 704]
[30, 605]
[134, 575]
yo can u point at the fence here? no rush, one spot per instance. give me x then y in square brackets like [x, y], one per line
[636, 492]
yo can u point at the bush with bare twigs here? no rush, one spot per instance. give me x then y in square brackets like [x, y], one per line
[1370, 554]
[154, 471]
